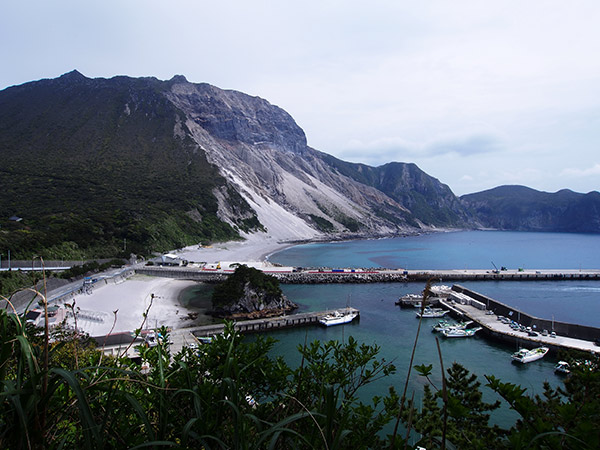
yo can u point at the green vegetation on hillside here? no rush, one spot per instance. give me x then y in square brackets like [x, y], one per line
[104, 168]
[13, 280]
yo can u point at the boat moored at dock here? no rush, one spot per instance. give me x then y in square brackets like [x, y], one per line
[445, 324]
[458, 332]
[562, 367]
[338, 317]
[526, 356]
[429, 313]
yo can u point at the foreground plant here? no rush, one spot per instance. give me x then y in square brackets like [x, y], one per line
[233, 394]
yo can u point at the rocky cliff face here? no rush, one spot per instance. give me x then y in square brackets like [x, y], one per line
[263, 153]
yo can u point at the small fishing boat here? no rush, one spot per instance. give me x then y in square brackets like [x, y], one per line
[562, 367]
[458, 333]
[429, 313]
[410, 300]
[446, 325]
[151, 339]
[441, 325]
[338, 317]
[526, 356]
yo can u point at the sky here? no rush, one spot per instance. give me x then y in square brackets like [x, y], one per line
[477, 94]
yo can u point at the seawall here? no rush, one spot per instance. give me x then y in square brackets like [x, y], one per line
[568, 335]
[313, 276]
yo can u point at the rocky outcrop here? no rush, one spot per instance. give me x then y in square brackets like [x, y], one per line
[254, 304]
[250, 293]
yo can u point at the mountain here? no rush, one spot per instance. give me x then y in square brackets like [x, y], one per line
[107, 166]
[524, 209]
[97, 166]
[264, 153]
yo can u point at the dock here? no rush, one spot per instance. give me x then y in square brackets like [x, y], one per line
[466, 304]
[187, 335]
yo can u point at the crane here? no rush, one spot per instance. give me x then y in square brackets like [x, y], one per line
[496, 269]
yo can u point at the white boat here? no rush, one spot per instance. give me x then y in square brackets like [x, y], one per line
[432, 313]
[151, 340]
[526, 356]
[459, 332]
[562, 367]
[445, 325]
[338, 317]
[441, 325]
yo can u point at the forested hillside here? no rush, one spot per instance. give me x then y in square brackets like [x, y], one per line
[102, 167]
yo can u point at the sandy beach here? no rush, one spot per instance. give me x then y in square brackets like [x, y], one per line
[132, 297]
[255, 248]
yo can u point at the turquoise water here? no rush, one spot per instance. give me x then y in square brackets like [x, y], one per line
[456, 250]
[394, 329]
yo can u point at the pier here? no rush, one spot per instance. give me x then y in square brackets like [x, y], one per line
[466, 304]
[269, 323]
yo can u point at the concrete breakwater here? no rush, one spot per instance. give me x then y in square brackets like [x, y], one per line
[183, 273]
[317, 276]
[486, 312]
[333, 277]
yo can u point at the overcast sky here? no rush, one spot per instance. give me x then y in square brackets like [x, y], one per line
[478, 94]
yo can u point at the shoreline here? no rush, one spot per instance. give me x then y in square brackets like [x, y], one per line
[131, 297]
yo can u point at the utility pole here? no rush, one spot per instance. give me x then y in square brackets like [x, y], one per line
[9, 260]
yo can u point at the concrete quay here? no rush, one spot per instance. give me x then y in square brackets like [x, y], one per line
[290, 275]
[504, 275]
[465, 304]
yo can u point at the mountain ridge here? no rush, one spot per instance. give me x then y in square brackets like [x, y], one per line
[90, 163]
[521, 208]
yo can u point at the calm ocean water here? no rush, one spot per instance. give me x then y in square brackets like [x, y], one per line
[394, 329]
[457, 250]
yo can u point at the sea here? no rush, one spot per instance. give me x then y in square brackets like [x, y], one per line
[394, 330]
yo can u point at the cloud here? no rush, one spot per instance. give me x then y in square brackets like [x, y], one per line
[386, 150]
[588, 172]
[466, 146]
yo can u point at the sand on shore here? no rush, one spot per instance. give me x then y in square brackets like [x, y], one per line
[255, 248]
[131, 298]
